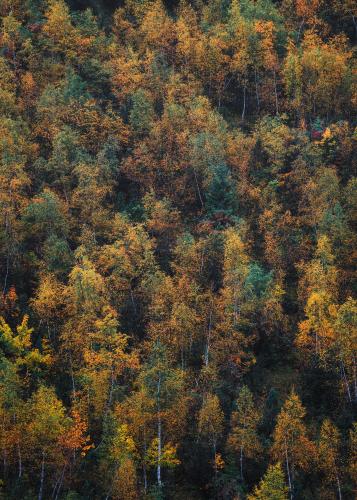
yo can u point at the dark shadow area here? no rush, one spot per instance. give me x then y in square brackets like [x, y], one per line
[101, 8]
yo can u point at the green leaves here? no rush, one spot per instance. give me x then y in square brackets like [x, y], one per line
[18, 347]
[221, 197]
[272, 486]
[141, 114]
[168, 457]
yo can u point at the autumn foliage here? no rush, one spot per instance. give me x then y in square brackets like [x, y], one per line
[178, 315]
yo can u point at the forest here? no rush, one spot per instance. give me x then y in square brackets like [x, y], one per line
[178, 213]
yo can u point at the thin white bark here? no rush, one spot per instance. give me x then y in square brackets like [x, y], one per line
[60, 482]
[338, 487]
[20, 460]
[354, 23]
[355, 377]
[256, 89]
[343, 373]
[244, 101]
[288, 471]
[198, 187]
[40, 493]
[159, 434]
[276, 94]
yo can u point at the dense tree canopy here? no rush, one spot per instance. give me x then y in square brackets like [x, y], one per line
[178, 314]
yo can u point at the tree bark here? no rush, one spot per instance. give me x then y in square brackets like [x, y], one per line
[60, 482]
[338, 487]
[354, 24]
[244, 101]
[355, 378]
[300, 28]
[208, 338]
[20, 460]
[198, 187]
[256, 89]
[159, 434]
[144, 464]
[343, 373]
[276, 94]
[288, 471]
[215, 456]
[159, 451]
[40, 493]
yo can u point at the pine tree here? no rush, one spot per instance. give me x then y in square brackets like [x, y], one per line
[221, 199]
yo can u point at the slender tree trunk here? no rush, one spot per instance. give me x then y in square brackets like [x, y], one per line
[145, 479]
[208, 338]
[244, 101]
[159, 451]
[133, 301]
[241, 462]
[198, 187]
[55, 486]
[20, 460]
[202, 261]
[235, 304]
[65, 192]
[355, 377]
[144, 464]
[40, 493]
[343, 373]
[288, 471]
[6, 272]
[300, 28]
[276, 94]
[159, 434]
[7, 232]
[354, 24]
[338, 487]
[60, 482]
[256, 88]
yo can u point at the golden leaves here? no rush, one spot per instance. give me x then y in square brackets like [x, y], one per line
[167, 457]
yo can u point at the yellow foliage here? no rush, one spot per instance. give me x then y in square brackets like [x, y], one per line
[125, 482]
[219, 462]
[167, 458]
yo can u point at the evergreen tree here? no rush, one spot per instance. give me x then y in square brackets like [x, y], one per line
[221, 198]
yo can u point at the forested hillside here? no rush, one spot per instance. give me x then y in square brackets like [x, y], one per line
[178, 207]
